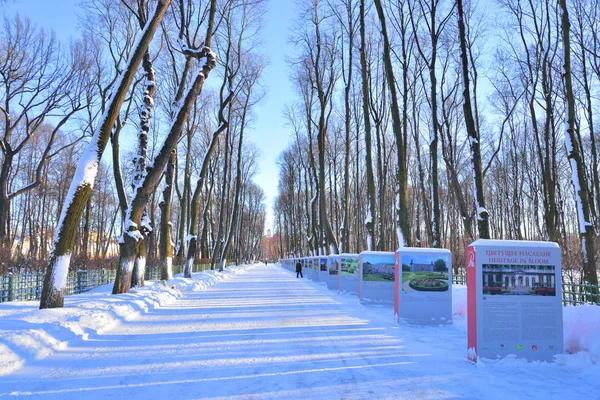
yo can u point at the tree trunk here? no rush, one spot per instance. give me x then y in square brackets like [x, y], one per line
[5, 202]
[483, 223]
[166, 242]
[371, 207]
[586, 228]
[185, 198]
[152, 177]
[402, 218]
[238, 184]
[192, 237]
[224, 182]
[139, 268]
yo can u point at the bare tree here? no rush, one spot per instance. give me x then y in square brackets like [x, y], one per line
[572, 142]
[82, 184]
[472, 133]
[132, 236]
[38, 81]
[371, 213]
[403, 229]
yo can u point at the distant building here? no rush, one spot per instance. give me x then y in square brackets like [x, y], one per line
[416, 267]
[518, 276]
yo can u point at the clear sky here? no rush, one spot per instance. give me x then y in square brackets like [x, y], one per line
[269, 131]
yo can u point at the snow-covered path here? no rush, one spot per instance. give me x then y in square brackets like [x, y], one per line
[265, 334]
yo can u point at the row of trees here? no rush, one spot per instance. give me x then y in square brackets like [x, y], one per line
[135, 79]
[436, 122]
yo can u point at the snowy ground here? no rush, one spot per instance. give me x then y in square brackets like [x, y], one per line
[257, 332]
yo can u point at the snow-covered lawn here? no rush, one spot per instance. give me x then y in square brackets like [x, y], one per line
[257, 332]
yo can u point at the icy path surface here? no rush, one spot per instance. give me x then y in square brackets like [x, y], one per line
[265, 334]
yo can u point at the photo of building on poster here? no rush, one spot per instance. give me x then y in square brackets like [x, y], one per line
[349, 266]
[323, 264]
[333, 265]
[378, 270]
[424, 273]
[508, 279]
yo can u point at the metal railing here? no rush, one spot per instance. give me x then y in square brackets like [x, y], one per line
[572, 293]
[580, 293]
[153, 273]
[28, 285]
[459, 279]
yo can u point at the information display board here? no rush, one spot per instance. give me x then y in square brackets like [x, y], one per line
[348, 276]
[423, 292]
[333, 269]
[323, 269]
[309, 268]
[514, 295]
[376, 276]
[315, 269]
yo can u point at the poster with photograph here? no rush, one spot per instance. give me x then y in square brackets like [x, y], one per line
[514, 300]
[516, 280]
[348, 276]
[323, 264]
[377, 269]
[333, 268]
[424, 286]
[334, 265]
[349, 265]
[309, 267]
[377, 276]
[321, 269]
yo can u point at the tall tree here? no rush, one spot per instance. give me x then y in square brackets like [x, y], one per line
[572, 142]
[82, 184]
[251, 74]
[37, 79]
[132, 237]
[472, 132]
[348, 23]
[402, 219]
[371, 208]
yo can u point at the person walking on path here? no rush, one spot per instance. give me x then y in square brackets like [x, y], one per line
[299, 269]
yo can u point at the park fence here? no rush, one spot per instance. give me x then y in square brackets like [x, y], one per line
[24, 286]
[575, 294]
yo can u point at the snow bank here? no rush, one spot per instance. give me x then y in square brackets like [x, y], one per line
[582, 331]
[29, 333]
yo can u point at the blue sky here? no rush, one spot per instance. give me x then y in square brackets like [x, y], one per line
[269, 131]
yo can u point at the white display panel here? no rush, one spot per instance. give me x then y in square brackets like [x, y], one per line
[333, 270]
[514, 297]
[423, 286]
[348, 276]
[376, 276]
